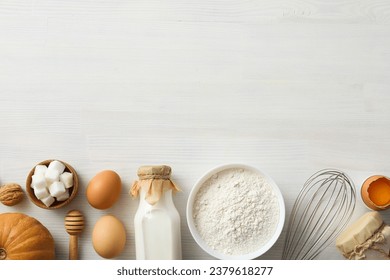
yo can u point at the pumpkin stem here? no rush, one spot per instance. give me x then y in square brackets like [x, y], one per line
[3, 254]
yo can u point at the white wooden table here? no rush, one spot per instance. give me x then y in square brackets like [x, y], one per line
[289, 87]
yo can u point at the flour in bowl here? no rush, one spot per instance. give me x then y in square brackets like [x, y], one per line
[236, 211]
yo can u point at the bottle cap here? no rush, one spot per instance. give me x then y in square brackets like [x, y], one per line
[154, 172]
[154, 180]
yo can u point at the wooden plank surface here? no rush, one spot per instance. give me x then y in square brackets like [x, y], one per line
[289, 87]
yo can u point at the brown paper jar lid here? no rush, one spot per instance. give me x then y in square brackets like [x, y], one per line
[154, 172]
[359, 232]
[154, 180]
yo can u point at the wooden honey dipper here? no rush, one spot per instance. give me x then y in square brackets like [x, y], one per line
[74, 225]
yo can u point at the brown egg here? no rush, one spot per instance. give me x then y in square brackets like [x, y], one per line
[108, 237]
[104, 189]
[375, 192]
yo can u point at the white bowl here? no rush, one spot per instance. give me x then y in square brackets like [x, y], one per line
[257, 252]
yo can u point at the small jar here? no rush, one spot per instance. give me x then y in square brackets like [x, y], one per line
[157, 221]
[375, 192]
[368, 238]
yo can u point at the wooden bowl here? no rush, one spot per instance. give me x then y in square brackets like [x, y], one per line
[56, 204]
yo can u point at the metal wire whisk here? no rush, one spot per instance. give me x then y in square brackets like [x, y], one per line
[321, 211]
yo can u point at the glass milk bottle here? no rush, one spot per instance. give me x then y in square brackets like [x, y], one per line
[156, 222]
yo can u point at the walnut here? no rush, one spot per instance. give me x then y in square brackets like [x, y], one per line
[11, 194]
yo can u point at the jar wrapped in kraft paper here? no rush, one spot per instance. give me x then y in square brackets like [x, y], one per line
[367, 239]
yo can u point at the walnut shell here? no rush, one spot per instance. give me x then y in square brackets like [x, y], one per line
[11, 194]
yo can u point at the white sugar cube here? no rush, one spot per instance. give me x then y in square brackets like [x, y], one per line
[56, 165]
[52, 175]
[48, 200]
[57, 189]
[67, 179]
[41, 193]
[40, 169]
[63, 196]
[38, 181]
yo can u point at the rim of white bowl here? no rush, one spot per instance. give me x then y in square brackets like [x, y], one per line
[198, 239]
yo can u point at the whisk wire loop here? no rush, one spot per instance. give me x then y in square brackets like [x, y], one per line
[321, 211]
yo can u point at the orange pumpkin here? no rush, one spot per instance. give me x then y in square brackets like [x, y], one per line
[24, 238]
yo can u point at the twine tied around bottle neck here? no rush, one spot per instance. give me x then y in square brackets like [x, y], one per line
[154, 180]
[358, 253]
[153, 176]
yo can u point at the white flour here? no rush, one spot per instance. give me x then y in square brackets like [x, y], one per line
[236, 211]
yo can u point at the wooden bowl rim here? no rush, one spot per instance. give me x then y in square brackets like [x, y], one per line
[55, 205]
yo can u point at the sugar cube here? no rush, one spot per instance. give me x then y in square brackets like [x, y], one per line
[63, 196]
[52, 175]
[38, 181]
[67, 179]
[57, 189]
[56, 165]
[41, 193]
[48, 200]
[40, 169]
